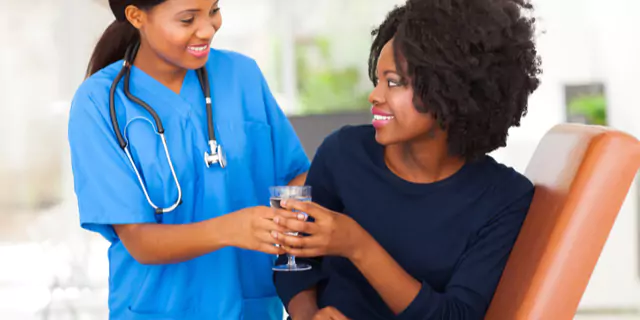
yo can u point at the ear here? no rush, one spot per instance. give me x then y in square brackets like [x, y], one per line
[135, 16]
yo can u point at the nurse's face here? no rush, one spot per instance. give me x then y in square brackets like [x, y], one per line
[180, 31]
[395, 117]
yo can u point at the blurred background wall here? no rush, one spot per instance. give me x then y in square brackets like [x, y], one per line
[314, 55]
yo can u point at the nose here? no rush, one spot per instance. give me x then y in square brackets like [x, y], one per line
[376, 96]
[206, 31]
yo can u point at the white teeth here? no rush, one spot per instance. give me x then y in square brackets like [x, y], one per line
[382, 118]
[201, 48]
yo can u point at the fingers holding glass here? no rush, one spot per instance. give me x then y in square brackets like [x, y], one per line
[265, 231]
[278, 194]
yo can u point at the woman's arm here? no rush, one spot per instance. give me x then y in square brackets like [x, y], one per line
[298, 290]
[336, 234]
[394, 285]
[164, 244]
[304, 305]
[466, 296]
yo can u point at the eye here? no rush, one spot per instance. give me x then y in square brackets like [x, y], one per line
[187, 20]
[392, 83]
[214, 11]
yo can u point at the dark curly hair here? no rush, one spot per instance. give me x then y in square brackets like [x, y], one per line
[472, 65]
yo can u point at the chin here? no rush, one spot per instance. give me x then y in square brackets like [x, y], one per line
[384, 138]
[387, 137]
[194, 65]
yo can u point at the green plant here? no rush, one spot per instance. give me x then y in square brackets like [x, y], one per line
[592, 107]
[323, 87]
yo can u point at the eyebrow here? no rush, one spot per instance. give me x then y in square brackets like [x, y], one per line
[197, 10]
[386, 72]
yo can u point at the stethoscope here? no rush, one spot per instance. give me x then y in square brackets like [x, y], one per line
[215, 154]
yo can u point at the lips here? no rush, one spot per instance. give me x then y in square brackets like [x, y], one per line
[381, 118]
[199, 51]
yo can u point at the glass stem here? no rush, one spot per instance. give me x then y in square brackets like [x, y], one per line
[292, 261]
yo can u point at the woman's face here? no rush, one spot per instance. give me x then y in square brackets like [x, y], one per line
[180, 31]
[394, 115]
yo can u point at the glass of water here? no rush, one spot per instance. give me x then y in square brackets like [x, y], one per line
[300, 193]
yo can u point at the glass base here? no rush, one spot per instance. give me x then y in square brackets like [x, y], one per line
[294, 267]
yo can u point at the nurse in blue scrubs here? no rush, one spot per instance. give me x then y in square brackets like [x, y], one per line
[186, 212]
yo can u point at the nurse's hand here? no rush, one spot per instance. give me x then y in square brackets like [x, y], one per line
[253, 228]
[332, 233]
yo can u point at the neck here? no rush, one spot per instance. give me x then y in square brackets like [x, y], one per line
[164, 72]
[422, 161]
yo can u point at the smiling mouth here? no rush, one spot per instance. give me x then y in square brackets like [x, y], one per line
[382, 118]
[198, 48]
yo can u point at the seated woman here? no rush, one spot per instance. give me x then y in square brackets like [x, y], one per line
[412, 218]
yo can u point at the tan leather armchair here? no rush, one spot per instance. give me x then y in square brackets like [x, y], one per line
[582, 176]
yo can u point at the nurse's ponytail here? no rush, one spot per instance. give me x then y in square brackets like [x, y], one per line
[112, 45]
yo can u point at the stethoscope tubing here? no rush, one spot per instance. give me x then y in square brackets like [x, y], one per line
[216, 155]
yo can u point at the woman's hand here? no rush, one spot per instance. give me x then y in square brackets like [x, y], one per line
[254, 229]
[329, 313]
[332, 233]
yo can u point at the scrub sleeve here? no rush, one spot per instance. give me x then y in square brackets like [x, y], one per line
[106, 186]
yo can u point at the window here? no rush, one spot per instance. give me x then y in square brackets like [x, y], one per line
[586, 103]
[314, 63]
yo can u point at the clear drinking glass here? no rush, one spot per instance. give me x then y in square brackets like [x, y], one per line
[300, 193]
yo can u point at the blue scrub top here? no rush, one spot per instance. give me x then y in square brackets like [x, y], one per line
[262, 150]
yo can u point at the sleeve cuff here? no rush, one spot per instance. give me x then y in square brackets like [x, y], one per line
[422, 306]
[99, 221]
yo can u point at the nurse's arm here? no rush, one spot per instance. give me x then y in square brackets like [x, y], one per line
[299, 180]
[166, 244]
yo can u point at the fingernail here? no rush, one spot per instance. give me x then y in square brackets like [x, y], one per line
[274, 234]
[276, 220]
[283, 203]
[302, 216]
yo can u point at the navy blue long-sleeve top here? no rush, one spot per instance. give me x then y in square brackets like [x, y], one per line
[454, 235]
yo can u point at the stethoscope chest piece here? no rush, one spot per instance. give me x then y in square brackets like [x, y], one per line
[215, 155]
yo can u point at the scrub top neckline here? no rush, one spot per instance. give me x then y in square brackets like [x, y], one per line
[186, 90]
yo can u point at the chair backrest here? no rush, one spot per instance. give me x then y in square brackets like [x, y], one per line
[582, 175]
